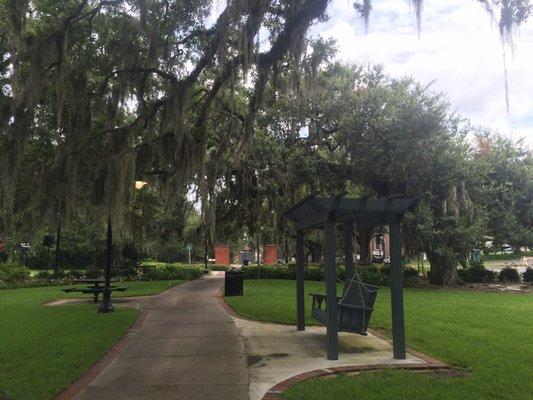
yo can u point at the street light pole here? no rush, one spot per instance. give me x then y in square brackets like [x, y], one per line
[58, 241]
[106, 306]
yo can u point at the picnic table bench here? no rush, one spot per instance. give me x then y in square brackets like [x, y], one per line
[94, 287]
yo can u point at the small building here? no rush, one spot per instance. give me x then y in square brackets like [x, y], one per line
[222, 254]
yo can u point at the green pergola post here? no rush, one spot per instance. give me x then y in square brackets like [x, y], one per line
[331, 289]
[361, 213]
[396, 278]
[300, 275]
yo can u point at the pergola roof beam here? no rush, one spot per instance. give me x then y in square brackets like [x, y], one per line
[312, 211]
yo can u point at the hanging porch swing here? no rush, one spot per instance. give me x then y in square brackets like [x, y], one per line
[354, 307]
[350, 312]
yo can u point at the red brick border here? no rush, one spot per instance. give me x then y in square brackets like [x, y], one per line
[276, 391]
[88, 376]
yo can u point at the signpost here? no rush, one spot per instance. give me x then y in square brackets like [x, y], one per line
[189, 248]
[24, 248]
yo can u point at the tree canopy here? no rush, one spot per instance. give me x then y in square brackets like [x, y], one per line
[128, 87]
[239, 106]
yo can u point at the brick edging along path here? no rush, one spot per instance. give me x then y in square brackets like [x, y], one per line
[88, 376]
[276, 392]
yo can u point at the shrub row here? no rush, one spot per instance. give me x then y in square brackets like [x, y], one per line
[170, 272]
[528, 275]
[373, 274]
[479, 274]
[12, 274]
[16, 276]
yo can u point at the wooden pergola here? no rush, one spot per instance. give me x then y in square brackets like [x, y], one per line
[352, 213]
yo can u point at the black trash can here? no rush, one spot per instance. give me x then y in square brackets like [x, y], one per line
[233, 283]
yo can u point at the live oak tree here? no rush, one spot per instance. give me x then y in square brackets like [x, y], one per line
[369, 133]
[505, 189]
[279, 166]
[159, 90]
[400, 139]
[130, 86]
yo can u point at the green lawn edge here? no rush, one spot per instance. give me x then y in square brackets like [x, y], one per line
[44, 349]
[486, 334]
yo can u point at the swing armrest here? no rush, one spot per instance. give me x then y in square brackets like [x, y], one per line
[352, 307]
[319, 299]
[322, 296]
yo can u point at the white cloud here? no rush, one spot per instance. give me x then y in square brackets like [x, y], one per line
[459, 49]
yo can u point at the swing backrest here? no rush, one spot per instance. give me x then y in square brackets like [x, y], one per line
[360, 294]
[355, 307]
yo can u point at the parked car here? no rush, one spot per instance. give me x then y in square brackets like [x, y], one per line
[377, 256]
[507, 250]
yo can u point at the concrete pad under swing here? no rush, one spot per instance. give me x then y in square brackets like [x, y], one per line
[277, 352]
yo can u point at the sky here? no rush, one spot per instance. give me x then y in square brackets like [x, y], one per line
[459, 50]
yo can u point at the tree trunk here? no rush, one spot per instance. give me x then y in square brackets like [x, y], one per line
[364, 238]
[443, 269]
[315, 249]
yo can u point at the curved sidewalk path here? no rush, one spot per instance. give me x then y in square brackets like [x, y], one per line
[187, 348]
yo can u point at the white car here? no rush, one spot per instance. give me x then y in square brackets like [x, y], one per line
[507, 250]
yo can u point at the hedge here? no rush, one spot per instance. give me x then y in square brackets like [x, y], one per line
[477, 274]
[528, 274]
[170, 272]
[14, 276]
[372, 274]
[509, 274]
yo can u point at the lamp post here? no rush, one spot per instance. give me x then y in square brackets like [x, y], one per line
[106, 306]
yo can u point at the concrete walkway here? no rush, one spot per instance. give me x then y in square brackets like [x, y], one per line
[188, 348]
[277, 352]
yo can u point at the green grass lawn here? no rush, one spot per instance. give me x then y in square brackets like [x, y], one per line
[44, 349]
[490, 335]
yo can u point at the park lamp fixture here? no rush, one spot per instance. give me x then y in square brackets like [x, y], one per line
[140, 184]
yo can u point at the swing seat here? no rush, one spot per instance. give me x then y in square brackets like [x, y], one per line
[354, 308]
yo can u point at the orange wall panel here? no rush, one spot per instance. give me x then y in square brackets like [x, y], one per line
[270, 254]
[222, 254]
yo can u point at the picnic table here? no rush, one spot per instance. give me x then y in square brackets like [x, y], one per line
[95, 286]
